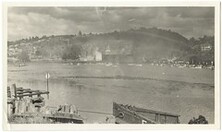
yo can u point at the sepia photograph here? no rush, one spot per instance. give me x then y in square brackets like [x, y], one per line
[111, 65]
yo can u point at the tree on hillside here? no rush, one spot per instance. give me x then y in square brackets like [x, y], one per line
[80, 33]
[192, 41]
[44, 37]
[71, 52]
[202, 40]
[38, 53]
[23, 57]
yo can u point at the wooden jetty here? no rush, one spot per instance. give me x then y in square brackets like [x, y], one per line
[126, 114]
[28, 104]
[20, 92]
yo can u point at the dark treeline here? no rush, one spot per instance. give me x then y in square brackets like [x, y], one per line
[197, 54]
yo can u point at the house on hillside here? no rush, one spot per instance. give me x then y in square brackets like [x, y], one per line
[11, 52]
[14, 51]
[90, 58]
[107, 51]
[117, 55]
[206, 47]
[91, 55]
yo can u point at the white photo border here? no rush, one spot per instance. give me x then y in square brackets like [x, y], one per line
[114, 3]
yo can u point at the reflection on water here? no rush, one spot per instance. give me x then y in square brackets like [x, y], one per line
[97, 94]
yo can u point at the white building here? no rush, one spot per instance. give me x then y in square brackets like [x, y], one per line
[98, 56]
[206, 47]
[107, 51]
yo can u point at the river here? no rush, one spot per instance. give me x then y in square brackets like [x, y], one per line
[94, 87]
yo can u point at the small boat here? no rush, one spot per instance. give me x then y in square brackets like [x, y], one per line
[198, 67]
[109, 64]
[135, 64]
[126, 114]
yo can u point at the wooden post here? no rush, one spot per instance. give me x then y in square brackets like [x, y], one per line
[157, 117]
[30, 94]
[47, 76]
[15, 91]
[165, 119]
[20, 89]
[47, 83]
[13, 107]
[38, 108]
[8, 92]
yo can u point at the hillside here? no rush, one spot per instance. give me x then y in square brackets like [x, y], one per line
[151, 43]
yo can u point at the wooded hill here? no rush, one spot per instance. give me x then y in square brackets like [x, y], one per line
[149, 43]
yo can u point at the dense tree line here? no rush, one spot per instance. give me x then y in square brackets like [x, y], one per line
[198, 56]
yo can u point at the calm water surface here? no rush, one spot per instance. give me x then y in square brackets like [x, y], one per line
[188, 92]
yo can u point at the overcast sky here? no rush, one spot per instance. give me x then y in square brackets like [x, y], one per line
[37, 21]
